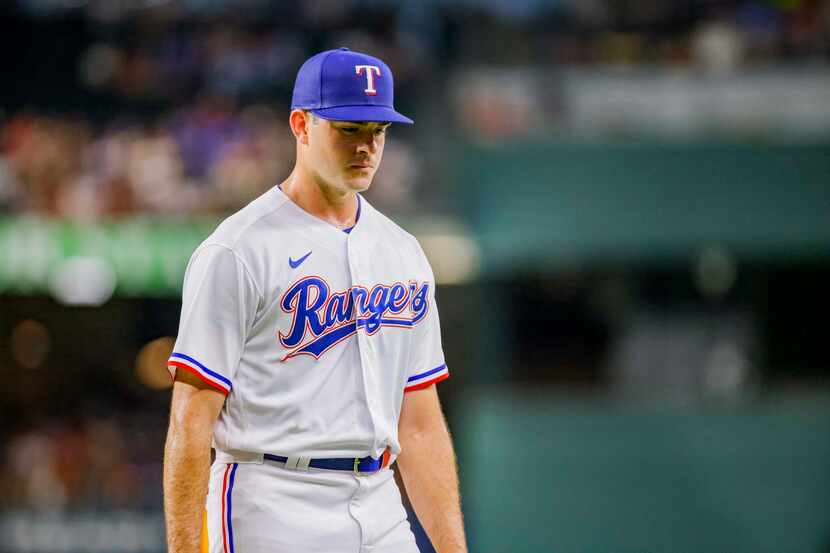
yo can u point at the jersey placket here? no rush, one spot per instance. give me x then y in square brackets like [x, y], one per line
[361, 275]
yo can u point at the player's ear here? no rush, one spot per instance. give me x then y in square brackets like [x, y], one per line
[299, 121]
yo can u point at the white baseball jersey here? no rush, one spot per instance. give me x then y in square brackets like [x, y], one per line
[313, 333]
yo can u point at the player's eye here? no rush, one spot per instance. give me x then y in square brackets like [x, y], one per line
[349, 130]
[381, 130]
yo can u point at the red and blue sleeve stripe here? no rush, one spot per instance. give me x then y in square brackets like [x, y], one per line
[209, 377]
[428, 378]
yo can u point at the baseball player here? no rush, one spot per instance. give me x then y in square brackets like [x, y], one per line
[308, 347]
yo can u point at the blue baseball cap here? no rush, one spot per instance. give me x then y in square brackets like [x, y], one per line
[346, 86]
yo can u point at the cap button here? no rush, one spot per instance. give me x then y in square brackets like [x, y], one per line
[343, 49]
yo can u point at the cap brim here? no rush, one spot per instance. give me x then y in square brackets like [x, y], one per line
[379, 114]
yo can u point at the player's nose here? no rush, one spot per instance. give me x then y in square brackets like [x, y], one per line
[368, 144]
[367, 148]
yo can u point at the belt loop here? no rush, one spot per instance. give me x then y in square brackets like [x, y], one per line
[297, 463]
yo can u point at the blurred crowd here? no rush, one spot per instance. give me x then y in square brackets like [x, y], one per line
[180, 107]
[207, 158]
[236, 46]
[106, 462]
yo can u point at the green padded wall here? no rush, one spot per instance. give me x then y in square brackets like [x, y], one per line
[547, 474]
[536, 203]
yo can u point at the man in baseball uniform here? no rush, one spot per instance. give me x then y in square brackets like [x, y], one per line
[308, 347]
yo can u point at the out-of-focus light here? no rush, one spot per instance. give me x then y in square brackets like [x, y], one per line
[99, 64]
[30, 343]
[151, 363]
[715, 272]
[454, 256]
[718, 47]
[82, 281]
[727, 371]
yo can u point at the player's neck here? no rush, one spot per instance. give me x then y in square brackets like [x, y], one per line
[336, 207]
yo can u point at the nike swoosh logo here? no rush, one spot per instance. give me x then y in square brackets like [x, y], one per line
[295, 264]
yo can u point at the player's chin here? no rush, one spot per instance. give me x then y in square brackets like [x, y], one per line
[359, 183]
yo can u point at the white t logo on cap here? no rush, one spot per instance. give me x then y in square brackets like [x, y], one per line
[371, 70]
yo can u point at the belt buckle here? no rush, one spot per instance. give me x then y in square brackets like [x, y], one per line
[356, 468]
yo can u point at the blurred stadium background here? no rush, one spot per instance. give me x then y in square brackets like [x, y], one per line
[627, 205]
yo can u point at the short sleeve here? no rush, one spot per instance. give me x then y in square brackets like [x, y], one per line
[427, 365]
[218, 309]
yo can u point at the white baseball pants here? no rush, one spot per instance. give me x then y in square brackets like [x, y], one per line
[265, 508]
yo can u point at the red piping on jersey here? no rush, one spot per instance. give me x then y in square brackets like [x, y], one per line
[198, 374]
[224, 492]
[428, 383]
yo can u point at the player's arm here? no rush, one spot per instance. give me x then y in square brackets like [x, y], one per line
[193, 411]
[428, 469]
